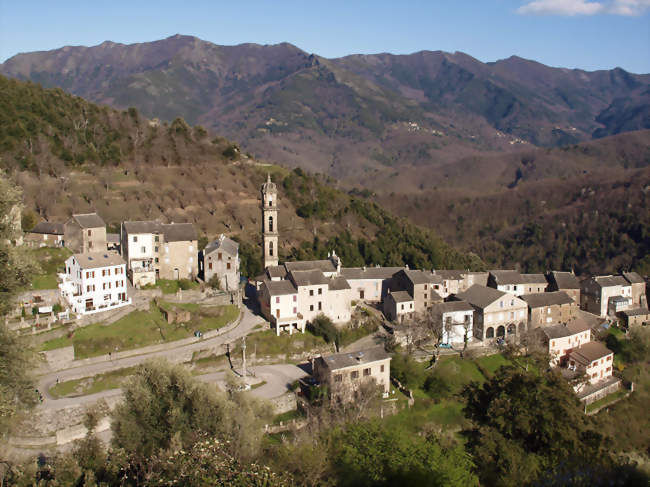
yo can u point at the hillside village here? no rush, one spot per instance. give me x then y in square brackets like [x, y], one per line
[452, 310]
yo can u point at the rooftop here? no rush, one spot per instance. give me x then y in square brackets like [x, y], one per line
[276, 271]
[280, 288]
[89, 220]
[636, 312]
[309, 278]
[310, 265]
[565, 280]
[369, 272]
[93, 260]
[452, 306]
[173, 232]
[224, 243]
[480, 296]
[48, 227]
[609, 281]
[338, 284]
[587, 353]
[450, 275]
[505, 277]
[419, 277]
[533, 279]
[538, 300]
[401, 296]
[633, 278]
[351, 359]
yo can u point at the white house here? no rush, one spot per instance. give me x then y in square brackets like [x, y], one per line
[563, 338]
[457, 318]
[94, 282]
[594, 359]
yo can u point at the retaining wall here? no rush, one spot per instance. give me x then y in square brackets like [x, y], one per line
[600, 393]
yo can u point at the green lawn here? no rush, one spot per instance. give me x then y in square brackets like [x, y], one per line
[606, 400]
[267, 343]
[138, 329]
[171, 287]
[92, 385]
[51, 262]
[458, 372]
[491, 363]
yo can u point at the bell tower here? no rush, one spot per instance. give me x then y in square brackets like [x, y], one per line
[270, 222]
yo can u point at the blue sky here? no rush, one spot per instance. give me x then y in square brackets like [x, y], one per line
[586, 34]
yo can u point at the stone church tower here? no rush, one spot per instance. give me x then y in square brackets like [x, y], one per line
[270, 222]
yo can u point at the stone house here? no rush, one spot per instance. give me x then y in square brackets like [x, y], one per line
[598, 294]
[45, 234]
[564, 281]
[497, 314]
[545, 309]
[221, 258]
[398, 306]
[564, 338]
[344, 373]
[369, 284]
[457, 318]
[594, 359]
[637, 284]
[419, 284]
[85, 233]
[534, 283]
[279, 304]
[635, 317]
[94, 282]
[507, 281]
[154, 250]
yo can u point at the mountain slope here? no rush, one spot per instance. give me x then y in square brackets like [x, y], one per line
[71, 156]
[357, 118]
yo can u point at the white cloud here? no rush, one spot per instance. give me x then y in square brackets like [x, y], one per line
[561, 7]
[629, 7]
[584, 7]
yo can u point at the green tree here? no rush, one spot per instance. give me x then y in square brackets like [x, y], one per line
[165, 407]
[529, 426]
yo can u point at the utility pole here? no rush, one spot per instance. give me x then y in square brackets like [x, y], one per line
[243, 351]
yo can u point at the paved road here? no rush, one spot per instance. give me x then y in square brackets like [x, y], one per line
[245, 326]
[278, 378]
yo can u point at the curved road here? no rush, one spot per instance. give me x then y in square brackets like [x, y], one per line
[244, 327]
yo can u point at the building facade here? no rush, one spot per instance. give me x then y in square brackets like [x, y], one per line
[566, 282]
[45, 234]
[270, 223]
[154, 250]
[220, 258]
[597, 294]
[94, 282]
[457, 319]
[562, 339]
[85, 233]
[398, 306]
[345, 373]
[594, 359]
[551, 308]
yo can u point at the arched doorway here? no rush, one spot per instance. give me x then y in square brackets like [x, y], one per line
[512, 329]
[501, 331]
[489, 333]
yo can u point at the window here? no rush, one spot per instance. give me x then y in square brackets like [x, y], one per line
[295, 310]
[219, 256]
[609, 358]
[425, 295]
[512, 302]
[156, 260]
[270, 223]
[107, 297]
[228, 266]
[354, 374]
[210, 265]
[381, 369]
[320, 306]
[277, 300]
[135, 238]
[311, 307]
[143, 249]
[366, 372]
[156, 238]
[501, 303]
[90, 245]
[271, 249]
[87, 275]
[338, 378]
[402, 307]
[552, 343]
[90, 233]
[295, 298]
[155, 249]
[320, 290]
[425, 287]
[411, 305]
[311, 292]
[104, 286]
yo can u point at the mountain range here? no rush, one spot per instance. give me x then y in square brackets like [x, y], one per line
[363, 118]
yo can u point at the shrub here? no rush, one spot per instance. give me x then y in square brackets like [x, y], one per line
[184, 284]
[323, 326]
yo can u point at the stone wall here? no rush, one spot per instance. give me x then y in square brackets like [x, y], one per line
[284, 403]
[600, 393]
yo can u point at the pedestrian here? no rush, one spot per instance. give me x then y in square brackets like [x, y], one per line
[57, 380]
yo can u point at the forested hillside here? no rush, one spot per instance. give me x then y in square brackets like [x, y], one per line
[73, 156]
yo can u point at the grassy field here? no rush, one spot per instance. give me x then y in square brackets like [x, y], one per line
[171, 287]
[51, 261]
[267, 343]
[139, 329]
[491, 363]
[91, 385]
